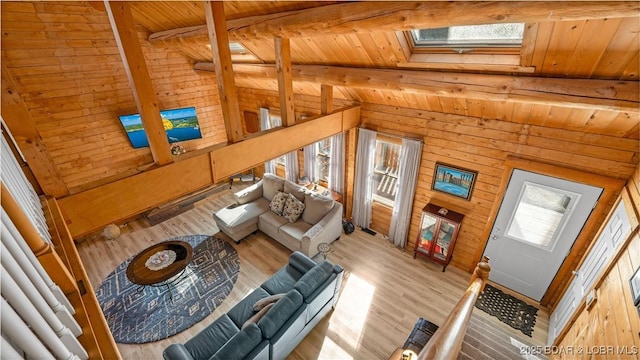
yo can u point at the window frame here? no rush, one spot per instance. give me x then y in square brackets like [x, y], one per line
[242, 56]
[324, 155]
[499, 59]
[275, 114]
[475, 48]
[381, 200]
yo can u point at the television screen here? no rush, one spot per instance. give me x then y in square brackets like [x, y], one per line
[179, 124]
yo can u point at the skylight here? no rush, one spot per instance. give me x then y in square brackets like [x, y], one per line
[490, 35]
[237, 48]
[239, 53]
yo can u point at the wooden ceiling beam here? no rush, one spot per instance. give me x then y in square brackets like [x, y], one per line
[363, 17]
[326, 98]
[252, 151]
[285, 81]
[575, 93]
[217, 34]
[126, 37]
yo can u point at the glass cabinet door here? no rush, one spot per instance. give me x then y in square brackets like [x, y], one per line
[427, 229]
[439, 228]
[445, 235]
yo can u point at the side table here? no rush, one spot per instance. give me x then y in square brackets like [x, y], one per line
[324, 249]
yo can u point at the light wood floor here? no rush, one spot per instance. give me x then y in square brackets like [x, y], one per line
[384, 292]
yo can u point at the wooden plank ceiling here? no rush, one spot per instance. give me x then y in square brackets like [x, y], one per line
[64, 63]
[604, 47]
[570, 98]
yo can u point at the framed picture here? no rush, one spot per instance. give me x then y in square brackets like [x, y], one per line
[634, 282]
[453, 180]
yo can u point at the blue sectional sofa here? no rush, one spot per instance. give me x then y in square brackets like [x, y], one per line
[298, 296]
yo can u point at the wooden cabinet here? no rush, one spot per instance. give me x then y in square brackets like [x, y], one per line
[438, 232]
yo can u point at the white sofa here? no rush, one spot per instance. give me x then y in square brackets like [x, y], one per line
[320, 221]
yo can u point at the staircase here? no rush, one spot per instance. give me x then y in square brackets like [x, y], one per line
[467, 334]
[489, 340]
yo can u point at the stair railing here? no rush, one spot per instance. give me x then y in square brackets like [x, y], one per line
[447, 340]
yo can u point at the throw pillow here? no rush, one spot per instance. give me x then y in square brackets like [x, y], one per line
[277, 203]
[258, 305]
[316, 207]
[271, 184]
[294, 189]
[293, 208]
[257, 316]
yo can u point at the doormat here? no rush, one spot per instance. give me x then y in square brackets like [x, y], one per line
[508, 309]
[420, 335]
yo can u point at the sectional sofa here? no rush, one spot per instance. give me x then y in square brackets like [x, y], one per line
[261, 207]
[296, 298]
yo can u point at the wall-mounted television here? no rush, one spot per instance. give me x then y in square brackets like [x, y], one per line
[179, 124]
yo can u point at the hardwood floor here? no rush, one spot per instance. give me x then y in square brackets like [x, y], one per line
[384, 292]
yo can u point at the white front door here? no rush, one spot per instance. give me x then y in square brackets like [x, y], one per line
[538, 222]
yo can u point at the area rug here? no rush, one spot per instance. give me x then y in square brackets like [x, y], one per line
[508, 309]
[140, 315]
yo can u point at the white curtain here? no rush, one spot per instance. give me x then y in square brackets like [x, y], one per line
[362, 194]
[336, 164]
[265, 124]
[410, 155]
[291, 166]
[310, 152]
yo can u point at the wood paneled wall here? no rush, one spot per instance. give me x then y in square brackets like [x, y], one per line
[611, 328]
[66, 64]
[381, 218]
[484, 145]
[613, 320]
[477, 144]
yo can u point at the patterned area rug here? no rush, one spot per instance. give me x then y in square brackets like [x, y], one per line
[510, 310]
[140, 315]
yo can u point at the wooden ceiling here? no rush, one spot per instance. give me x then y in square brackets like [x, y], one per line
[577, 71]
[575, 41]
[569, 98]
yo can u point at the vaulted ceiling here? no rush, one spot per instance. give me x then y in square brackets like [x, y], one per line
[332, 42]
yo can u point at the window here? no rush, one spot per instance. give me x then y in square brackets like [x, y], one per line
[540, 215]
[385, 172]
[276, 121]
[323, 159]
[237, 48]
[467, 38]
[280, 160]
[490, 47]
[239, 53]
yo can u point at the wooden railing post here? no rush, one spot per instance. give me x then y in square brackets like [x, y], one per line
[481, 271]
[447, 340]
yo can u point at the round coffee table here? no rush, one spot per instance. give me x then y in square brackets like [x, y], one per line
[162, 264]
